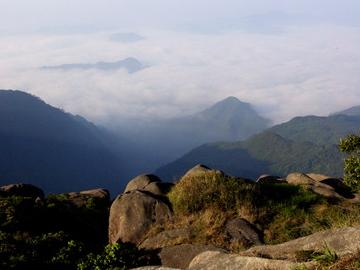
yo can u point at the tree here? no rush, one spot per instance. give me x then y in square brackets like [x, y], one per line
[351, 146]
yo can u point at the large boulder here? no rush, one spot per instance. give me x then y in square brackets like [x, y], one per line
[242, 233]
[269, 179]
[313, 185]
[214, 260]
[150, 183]
[200, 169]
[133, 213]
[99, 196]
[180, 256]
[342, 241]
[23, 190]
[167, 238]
[154, 268]
[336, 183]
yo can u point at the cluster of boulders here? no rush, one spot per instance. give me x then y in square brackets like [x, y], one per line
[144, 205]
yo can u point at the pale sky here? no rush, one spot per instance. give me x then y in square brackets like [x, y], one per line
[287, 57]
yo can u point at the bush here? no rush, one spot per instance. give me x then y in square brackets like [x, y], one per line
[351, 146]
[210, 190]
[117, 257]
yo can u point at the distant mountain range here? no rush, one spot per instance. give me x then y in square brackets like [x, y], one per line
[57, 151]
[354, 111]
[130, 64]
[158, 142]
[306, 144]
[61, 152]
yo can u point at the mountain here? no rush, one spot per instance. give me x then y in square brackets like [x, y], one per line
[353, 111]
[306, 144]
[131, 64]
[45, 146]
[161, 141]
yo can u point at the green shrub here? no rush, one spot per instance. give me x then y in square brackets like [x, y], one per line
[116, 257]
[351, 146]
[210, 190]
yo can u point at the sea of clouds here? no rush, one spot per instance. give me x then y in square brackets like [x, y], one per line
[301, 70]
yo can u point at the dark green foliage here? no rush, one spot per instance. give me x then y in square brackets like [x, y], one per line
[306, 144]
[54, 150]
[118, 257]
[351, 146]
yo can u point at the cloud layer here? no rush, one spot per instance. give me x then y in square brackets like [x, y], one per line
[304, 69]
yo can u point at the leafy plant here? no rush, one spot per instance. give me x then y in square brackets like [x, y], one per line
[351, 146]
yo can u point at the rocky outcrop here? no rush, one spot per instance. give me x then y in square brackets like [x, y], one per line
[200, 169]
[150, 183]
[24, 190]
[167, 238]
[318, 187]
[80, 199]
[142, 205]
[269, 179]
[342, 241]
[180, 256]
[214, 260]
[242, 233]
[133, 213]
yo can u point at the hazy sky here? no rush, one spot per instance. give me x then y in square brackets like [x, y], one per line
[287, 57]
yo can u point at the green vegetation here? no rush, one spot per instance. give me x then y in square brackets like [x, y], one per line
[59, 233]
[351, 146]
[305, 144]
[282, 211]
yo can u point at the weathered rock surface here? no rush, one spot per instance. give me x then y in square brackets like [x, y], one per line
[24, 190]
[214, 260]
[133, 213]
[200, 169]
[167, 238]
[342, 241]
[242, 233]
[81, 198]
[150, 183]
[140, 182]
[154, 268]
[316, 186]
[180, 256]
[269, 179]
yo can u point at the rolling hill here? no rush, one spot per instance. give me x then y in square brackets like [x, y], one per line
[306, 144]
[59, 152]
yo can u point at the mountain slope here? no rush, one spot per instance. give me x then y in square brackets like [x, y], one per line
[131, 64]
[57, 151]
[306, 144]
[353, 111]
[159, 141]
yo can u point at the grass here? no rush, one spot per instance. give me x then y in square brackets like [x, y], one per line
[282, 211]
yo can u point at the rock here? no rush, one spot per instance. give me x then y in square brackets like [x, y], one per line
[342, 241]
[242, 233]
[99, 193]
[317, 187]
[24, 190]
[154, 268]
[200, 169]
[336, 183]
[150, 183]
[140, 182]
[180, 256]
[80, 199]
[167, 238]
[214, 260]
[133, 213]
[269, 179]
